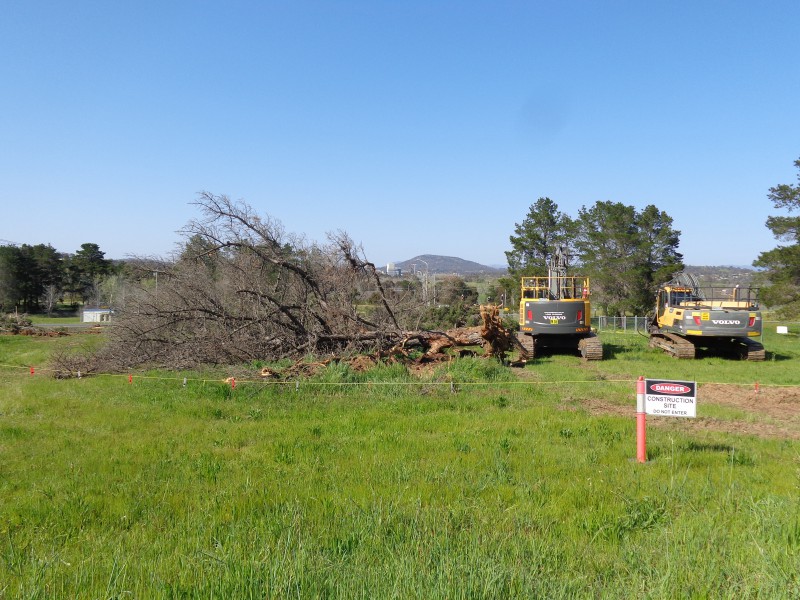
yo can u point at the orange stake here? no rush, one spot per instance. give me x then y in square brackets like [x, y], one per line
[641, 422]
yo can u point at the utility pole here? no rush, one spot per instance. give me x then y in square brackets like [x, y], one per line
[425, 282]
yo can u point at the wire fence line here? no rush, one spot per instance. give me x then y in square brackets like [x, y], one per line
[455, 384]
[239, 381]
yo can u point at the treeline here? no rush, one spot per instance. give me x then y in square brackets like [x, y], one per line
[626, 252]
[35, 278]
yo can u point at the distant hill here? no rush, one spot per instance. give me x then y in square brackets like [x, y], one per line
[449, 265]
[445, 265]
[721, 275]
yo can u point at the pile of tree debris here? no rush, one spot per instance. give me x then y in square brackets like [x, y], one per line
[242, 290]
[422, 348]
[17, 324]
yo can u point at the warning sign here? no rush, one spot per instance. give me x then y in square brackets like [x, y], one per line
[670, 398]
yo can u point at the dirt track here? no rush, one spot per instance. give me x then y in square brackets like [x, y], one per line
[771, 412]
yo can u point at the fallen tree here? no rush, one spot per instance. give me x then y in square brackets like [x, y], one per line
[423, 347]
[243, 290]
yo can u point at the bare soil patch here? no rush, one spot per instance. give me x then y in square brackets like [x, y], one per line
[768, 412]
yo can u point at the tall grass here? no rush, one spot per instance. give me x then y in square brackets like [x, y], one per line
[468, 484]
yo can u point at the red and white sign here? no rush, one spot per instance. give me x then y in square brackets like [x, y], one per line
[666, 398]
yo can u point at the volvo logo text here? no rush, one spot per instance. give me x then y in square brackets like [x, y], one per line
[725, 322]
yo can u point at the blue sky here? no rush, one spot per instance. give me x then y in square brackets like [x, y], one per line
[416, 127]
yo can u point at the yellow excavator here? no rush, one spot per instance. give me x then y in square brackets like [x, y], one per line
[721, 321]
[555, 312]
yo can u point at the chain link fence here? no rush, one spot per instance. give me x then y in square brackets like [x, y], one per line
[621, 324]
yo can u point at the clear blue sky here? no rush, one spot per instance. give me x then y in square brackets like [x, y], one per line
[417, 127]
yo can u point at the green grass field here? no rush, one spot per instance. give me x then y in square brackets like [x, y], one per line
[475, 481]
[54, 321]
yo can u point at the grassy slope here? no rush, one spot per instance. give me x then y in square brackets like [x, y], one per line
[388, 491]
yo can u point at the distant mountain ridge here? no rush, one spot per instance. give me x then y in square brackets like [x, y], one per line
[449, 265]
[445, 265]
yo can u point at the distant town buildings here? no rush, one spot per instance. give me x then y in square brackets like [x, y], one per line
[393, 270]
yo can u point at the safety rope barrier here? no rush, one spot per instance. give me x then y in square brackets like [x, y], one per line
[234, 382]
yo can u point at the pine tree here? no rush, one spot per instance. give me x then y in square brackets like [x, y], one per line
[782, 264]
[534, 240]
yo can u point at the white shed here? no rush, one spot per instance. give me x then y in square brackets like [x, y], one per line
[96, 315]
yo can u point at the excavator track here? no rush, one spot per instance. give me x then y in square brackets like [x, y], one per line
[672, 344]
[528, 343]
[680, 347]
[753, 351]
[591, 348]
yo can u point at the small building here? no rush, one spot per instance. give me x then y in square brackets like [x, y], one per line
[393, 270]
[96, 315]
